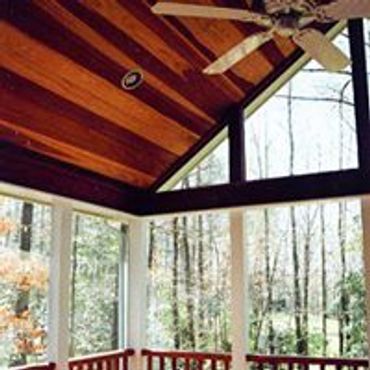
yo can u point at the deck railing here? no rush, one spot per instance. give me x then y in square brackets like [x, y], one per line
[262, 362]
[117, 360]
[174, 360]
[184, 360]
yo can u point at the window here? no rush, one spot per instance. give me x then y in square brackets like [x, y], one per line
[95, 283]
[212, 170]
[189, 283]
[307, 280]
[25, 231]
[308, 126]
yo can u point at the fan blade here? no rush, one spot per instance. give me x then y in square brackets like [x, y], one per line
[320, 48]
[344, 9]
[237, 53]
[203, 11]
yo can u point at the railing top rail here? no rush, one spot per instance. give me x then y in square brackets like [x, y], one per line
[305, 360]
[103, 356]
[44, 366]
[187, 354]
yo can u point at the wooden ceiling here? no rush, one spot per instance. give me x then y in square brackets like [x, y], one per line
[61, 63]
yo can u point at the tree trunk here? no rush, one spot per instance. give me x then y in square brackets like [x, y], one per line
[344, 299]
[268, 280]
[23, 297]
[190, 332]
[175, 280]
[306, 283]
[115, 321]
[293, 224]
[73, 286]
[324, 292]
[202, 287]
[151, 244]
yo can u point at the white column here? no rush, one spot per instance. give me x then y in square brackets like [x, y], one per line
[137, 290]
[58, 329]
[239, 322]
[365, 203]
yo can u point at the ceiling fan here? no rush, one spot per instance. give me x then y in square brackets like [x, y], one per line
[287, 18]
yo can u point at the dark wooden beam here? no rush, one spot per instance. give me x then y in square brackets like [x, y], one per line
[237, 147]
[23, 167]
[256, 193]
[361, 92]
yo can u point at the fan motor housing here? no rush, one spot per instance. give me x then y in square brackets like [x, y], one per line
[275, 7]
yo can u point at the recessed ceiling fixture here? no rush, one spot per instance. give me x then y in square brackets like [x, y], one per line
[132, 79]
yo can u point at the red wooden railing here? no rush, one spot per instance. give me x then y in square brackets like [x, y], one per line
[304, 363]
[175, 360]
[118, 360]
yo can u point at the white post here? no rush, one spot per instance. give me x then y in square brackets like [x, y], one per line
[137, 291]
[239, 322]
[58, 331]
[365, 204]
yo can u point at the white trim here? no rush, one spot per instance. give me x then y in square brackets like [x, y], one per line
[58, 309]
[239, 315]
[136, 320]
[21, 192]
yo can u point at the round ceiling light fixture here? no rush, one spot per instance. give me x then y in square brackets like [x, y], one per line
[132, 79]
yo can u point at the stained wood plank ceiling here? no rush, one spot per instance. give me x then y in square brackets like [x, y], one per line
[61, 63]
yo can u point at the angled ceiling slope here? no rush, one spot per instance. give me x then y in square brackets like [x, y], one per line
[61, 65]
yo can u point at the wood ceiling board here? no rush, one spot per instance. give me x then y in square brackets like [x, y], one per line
[151, 41]
[57, 73]
[27, 117]
[84, 46]
[28, 106]
[66, 58]
[77, 156]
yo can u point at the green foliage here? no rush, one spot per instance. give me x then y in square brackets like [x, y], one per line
[94, 285]
[355, 330]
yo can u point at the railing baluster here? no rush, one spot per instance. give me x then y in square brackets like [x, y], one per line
[174, 363]
[187, 364]
[116, 363]
[200, 364]
[150, 362]
[125, 363]
[227, 364]
[161, 363]
[213, 364]
[108, 363]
